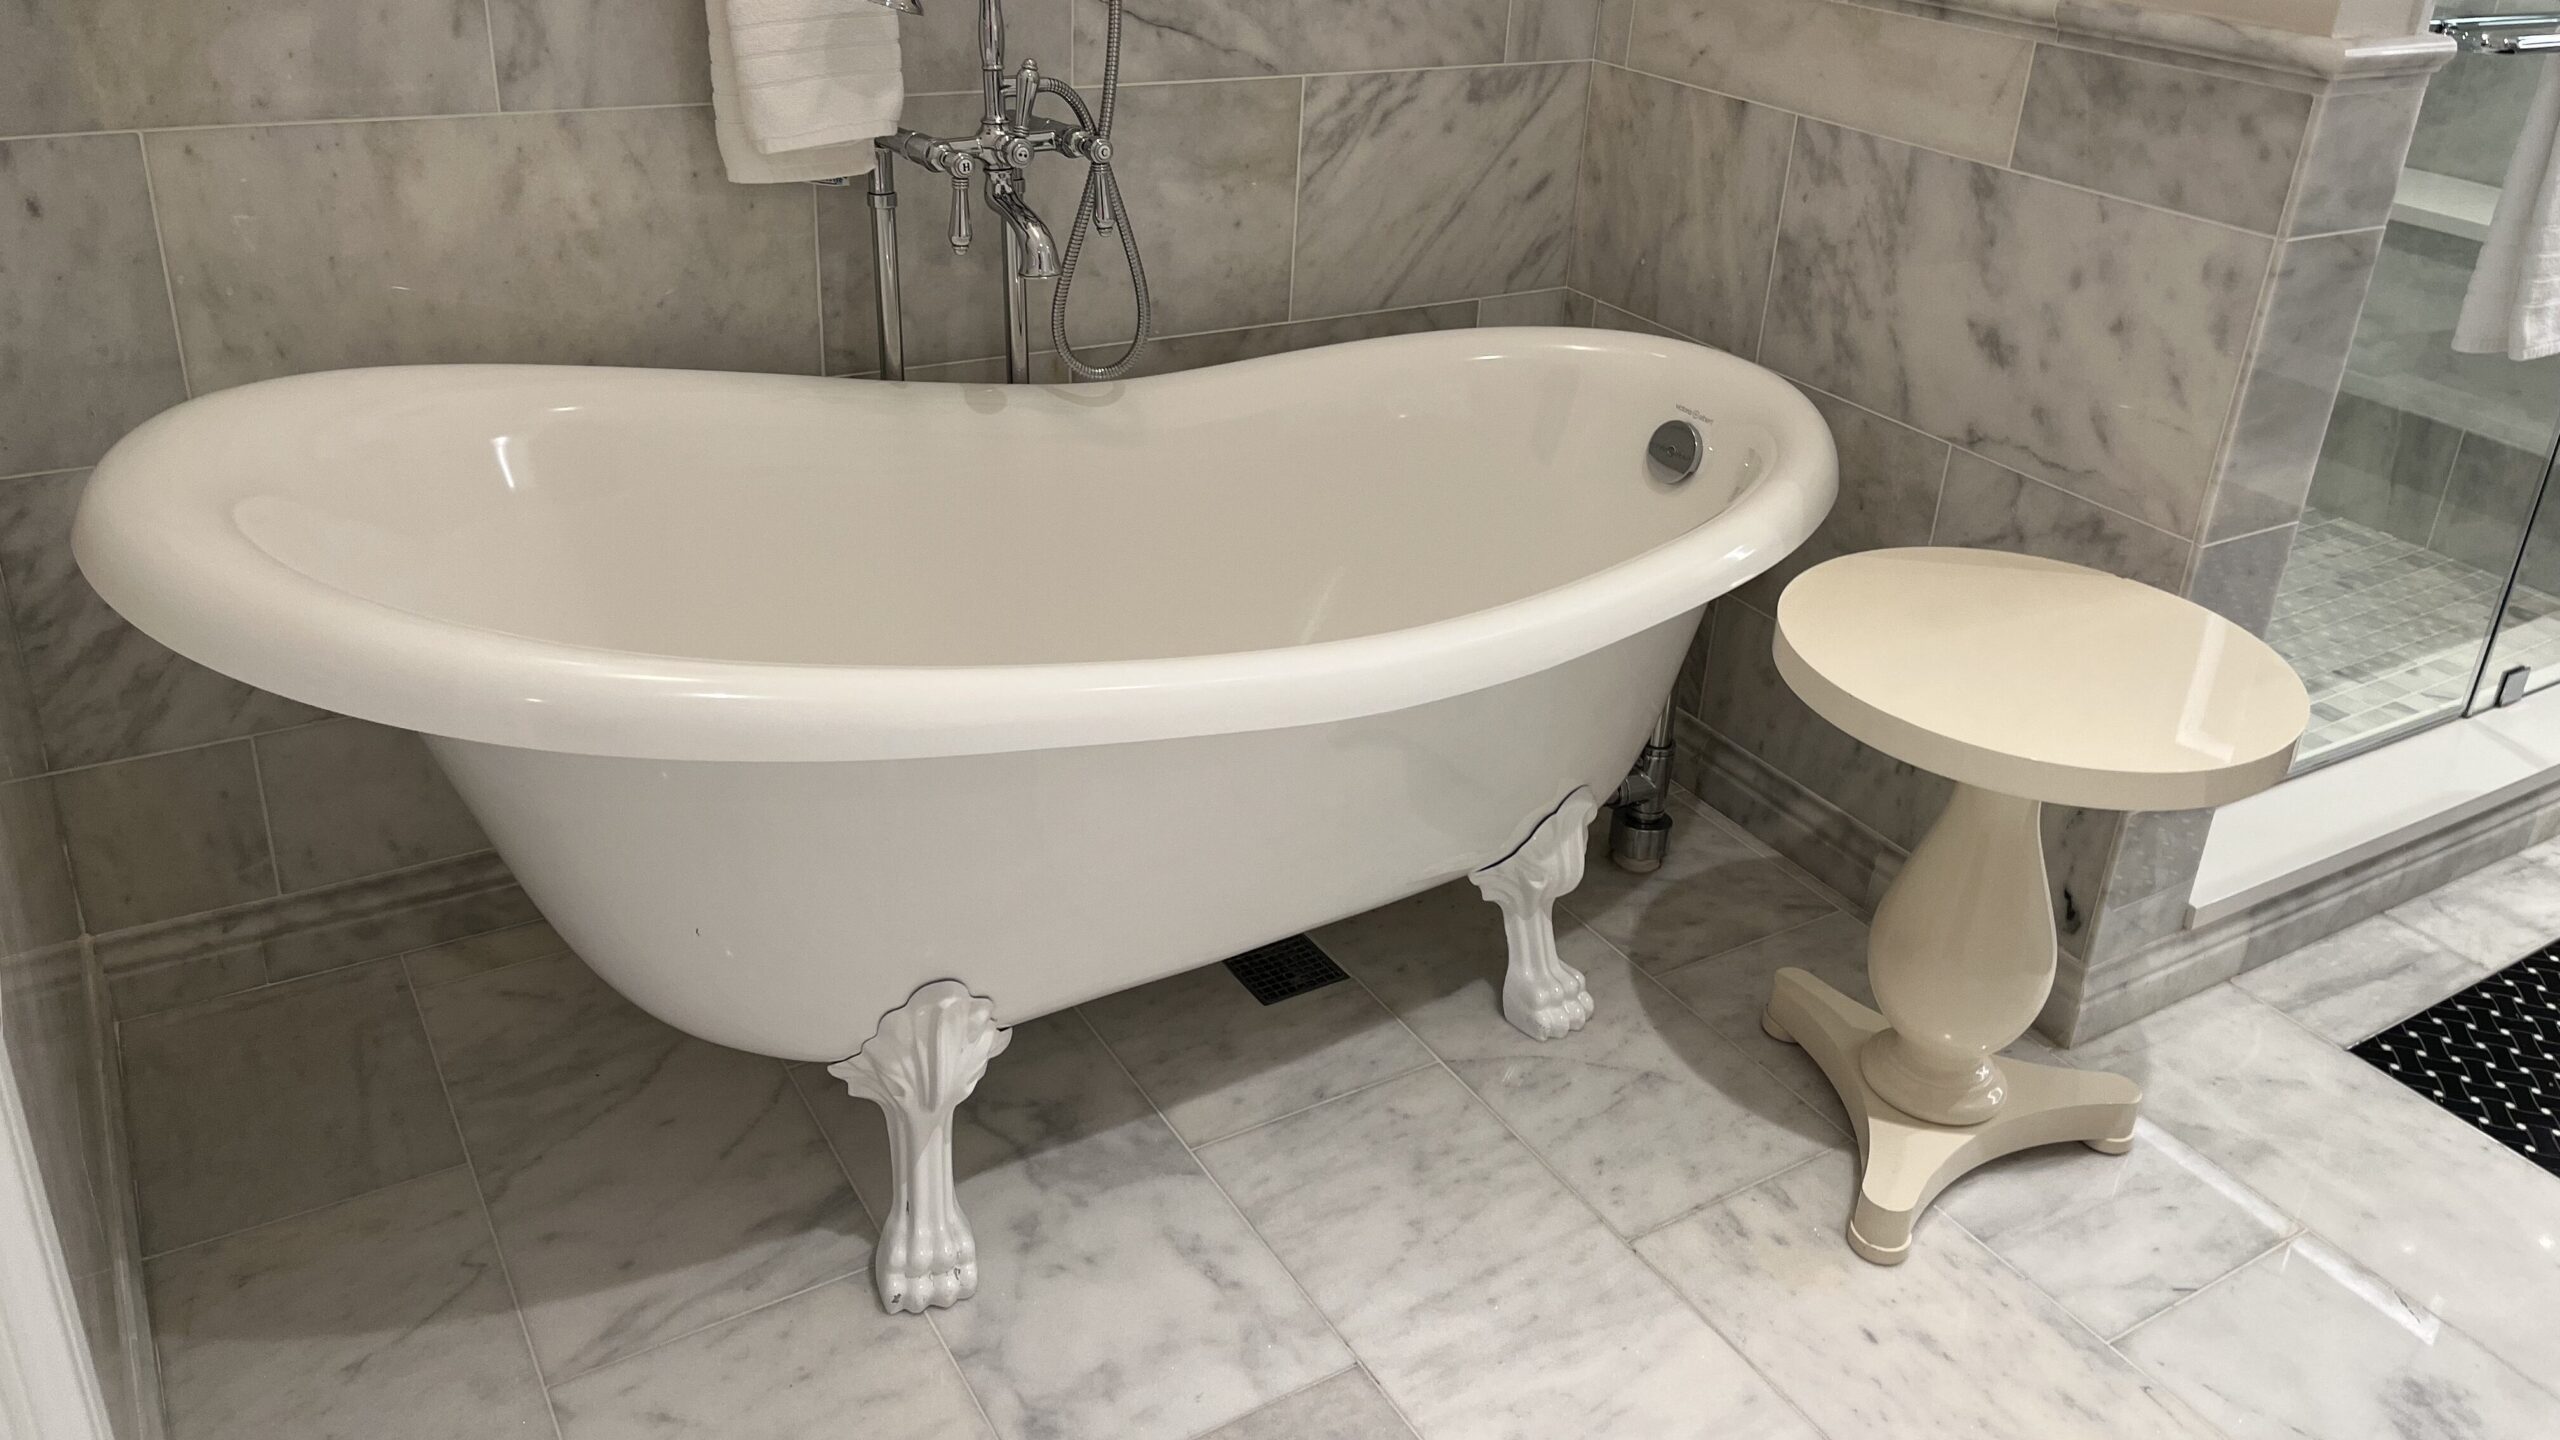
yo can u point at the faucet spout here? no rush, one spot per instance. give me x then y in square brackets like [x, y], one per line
[1036, 246]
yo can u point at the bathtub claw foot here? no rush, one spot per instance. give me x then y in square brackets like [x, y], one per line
[1542, 997]
[926, 1057]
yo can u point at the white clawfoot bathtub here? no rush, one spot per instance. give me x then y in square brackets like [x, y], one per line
[854, 722]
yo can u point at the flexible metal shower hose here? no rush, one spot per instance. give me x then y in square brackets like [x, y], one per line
[1099, 183]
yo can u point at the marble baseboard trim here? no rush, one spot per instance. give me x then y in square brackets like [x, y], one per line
[2132, 28]
[264, 920]
[2127, 989]
[1816, 836]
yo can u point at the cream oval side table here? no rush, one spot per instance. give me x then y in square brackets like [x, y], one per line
[2027, 682]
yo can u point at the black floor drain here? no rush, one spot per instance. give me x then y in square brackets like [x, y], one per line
[1274, 972]
[2490, 1055]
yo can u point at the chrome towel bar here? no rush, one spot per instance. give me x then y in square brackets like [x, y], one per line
[2501, 34]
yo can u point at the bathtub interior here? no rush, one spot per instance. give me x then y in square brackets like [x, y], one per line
[1254, 507]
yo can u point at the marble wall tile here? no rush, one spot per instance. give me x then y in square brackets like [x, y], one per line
[2238, 579]
[2364, 979]
[1647, 1114]
[1192, 352]
[1768, 1268]
[392, 927]
[150, 989]
[2363, 1162]
[1617, 30]
[2488, 499]
[1554, 29]
[2203, 144]
[102, 689]
[1215, 1060]
[644, 1184]
[805, 1366]
[1346, 1407]
[1081, 1197]
[2304, 1342]
[1890, 478]
[251, 1109]
[1435, 185]
[1531, 307]
[2474, 111]
[1205, 39]
[43, 908]
[479, 954]
[2384, 467]
[1993, 508]
[601, 237]
[2116, 1238]
[1433, 1239]
[578, 54]
[86, 348]
[941, 46]
[165, 835]
[122, 64]
[2351, 165]
[1680, 192]
[387, 1317]
[1716, 890]
[2091, 343]
[347, 798]
[1952, 88]
[2292, 384]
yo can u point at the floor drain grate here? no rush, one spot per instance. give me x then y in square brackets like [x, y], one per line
[1274, 972]
[2490, 1055]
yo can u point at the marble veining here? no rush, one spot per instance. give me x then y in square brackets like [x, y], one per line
[1433, 1240]
[2084, 341]
[386, 1317]
[1953, 88]
[165, 835]
[1435, 185]
[2293, 382]
[86, 349]
[1646, 1113]
[1680, 193]
[1717, 890]
[2495, 916]
[1555, 29]
[104, 690]
[480, 239]
[1991, 507]
[2350, 169]
[1205, 39]
[2368, 977]
[1890, 480]
[1346, 1407]
[643, 1183]
[1081, 1198]
[1768, 1267]
[348, 798]
[2203, 144]
[574, 54]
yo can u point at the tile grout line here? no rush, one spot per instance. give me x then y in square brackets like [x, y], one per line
[1777, 241]
[1297, 199]
[497, 82]
[488, 1220]
[1242, 1218]
[168, 280]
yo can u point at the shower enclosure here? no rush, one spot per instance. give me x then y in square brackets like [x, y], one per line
[2424, 584]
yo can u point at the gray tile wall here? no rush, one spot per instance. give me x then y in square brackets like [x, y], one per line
[198, 196]
[2054, 296]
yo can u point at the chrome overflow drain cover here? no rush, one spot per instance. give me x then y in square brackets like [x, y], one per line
[1675, 450]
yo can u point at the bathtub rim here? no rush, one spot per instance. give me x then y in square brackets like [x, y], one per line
[188, 578]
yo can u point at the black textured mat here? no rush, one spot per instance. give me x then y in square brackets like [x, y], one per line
[2490, 1055]
[1284, 968]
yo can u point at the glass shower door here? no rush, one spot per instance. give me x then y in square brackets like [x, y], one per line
[2434, 461]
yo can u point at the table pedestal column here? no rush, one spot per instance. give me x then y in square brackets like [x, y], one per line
[1961, 956]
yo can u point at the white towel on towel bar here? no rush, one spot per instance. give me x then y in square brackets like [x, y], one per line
[800, 88]
[2513, 305]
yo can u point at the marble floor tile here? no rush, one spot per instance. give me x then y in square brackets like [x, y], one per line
[829, 1361]
[1951, 1343]
[2116, 1238]
[2495, 916]
[1346, 1407]
[1216, 1060]
[1715, 891]
[644, 1184]
[247, 1110]
[2304, 1345]
[1730, 990]
[2366, 978]
[1435, 1241]
[1645, 1111]
[1119, 1293]
[2446, 1215]
[386, 1317]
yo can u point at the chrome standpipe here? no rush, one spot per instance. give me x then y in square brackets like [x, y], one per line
[882, 197]
[1639, 821]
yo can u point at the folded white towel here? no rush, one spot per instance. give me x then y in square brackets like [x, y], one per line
[2513, 305]
[800, 88]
